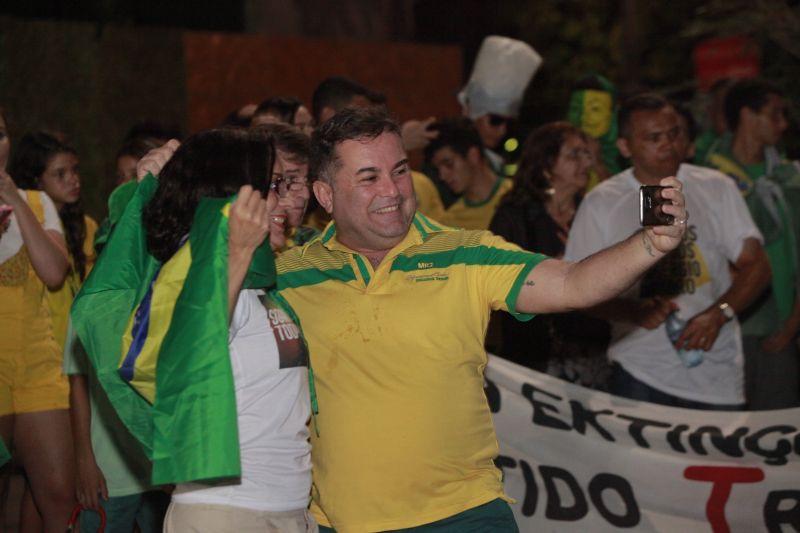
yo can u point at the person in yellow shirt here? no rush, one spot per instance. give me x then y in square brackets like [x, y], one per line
[457, 153]
[45, 162]
[34, 394]
[394, 308]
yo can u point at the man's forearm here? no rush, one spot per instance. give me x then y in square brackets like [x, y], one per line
[606, 274]
[558, 286]
[748, 283]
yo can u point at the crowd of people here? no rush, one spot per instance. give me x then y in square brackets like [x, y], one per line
[362, 359]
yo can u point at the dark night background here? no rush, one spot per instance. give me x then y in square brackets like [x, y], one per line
[635, 43]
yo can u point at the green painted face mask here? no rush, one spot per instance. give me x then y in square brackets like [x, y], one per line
[592, 111]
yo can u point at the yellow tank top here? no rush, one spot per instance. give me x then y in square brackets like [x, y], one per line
[25, 322]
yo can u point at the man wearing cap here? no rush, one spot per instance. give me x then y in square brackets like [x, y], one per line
[493, 94]
[394, 309]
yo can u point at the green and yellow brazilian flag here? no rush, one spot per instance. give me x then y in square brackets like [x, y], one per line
[157, 337]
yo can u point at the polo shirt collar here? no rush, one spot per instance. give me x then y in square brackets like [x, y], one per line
[418, 232]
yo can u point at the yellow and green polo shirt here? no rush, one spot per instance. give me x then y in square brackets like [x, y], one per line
[477, 215]
[404, 435]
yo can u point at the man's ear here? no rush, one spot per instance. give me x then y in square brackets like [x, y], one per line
[324, 193]
[622, 145]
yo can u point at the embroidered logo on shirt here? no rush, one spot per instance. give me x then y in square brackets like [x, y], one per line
[429, 276]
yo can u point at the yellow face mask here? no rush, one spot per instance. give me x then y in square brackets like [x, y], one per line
[597, 111]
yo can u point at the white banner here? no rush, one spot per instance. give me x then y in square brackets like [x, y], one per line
[581, 460]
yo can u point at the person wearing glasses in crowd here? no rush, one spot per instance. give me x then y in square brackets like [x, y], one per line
[290, 181]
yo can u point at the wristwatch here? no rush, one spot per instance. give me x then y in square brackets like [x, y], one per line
[727, 311]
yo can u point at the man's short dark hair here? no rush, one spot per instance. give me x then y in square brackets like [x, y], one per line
[290, 140]
[337, 92]
[752, 94]
[458, 134]
[639, 102]
[347, 125]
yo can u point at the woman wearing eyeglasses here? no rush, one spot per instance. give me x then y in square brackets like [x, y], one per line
[290, 180]
[537, 215]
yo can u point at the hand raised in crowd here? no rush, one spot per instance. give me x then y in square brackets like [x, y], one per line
[652, 312]
[155, 159]
[702, 330]
[416, 135]
[90, 484]
[249, 221]
[667, 238]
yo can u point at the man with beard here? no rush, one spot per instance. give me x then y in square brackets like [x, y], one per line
[695, 282]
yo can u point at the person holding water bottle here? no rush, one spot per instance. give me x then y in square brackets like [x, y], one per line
[675, 336]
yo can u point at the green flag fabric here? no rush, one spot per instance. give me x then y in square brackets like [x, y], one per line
[117, 202]
[184, 411]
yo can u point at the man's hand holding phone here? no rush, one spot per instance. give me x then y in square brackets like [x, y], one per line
[656, 205]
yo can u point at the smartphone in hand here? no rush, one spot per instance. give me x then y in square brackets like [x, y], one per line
[650, 206]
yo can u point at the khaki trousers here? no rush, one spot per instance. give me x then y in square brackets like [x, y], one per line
[208, 518]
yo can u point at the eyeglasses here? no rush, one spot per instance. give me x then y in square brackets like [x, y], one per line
[283, 184]
[579, 153]
[498, 120]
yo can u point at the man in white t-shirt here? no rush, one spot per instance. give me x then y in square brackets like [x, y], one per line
[717, 272]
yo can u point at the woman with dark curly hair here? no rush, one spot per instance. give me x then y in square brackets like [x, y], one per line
[43, 161]
[536, 214]
[34, 394]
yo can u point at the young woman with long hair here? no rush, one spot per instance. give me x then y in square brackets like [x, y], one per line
[34, 394]
[43, 161]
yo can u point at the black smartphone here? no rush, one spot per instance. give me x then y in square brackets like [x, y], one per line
[650, 210]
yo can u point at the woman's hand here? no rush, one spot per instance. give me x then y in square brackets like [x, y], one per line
[154, 160]
[248, 226]
[248, 222]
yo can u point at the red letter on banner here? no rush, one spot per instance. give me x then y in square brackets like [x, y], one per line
[723, 478]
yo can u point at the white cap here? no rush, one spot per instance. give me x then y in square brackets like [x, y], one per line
[502, 71]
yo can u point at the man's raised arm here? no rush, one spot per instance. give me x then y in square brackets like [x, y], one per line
[558, 286]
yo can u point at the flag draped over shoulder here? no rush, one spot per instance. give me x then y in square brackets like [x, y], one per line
[157, 335]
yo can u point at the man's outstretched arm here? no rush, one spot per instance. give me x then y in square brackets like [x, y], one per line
[558, 286]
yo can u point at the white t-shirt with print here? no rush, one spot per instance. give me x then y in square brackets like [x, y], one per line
[270, 373]
[719, 222]
[11, 240]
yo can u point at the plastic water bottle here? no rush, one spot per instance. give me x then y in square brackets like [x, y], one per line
[675, 326]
